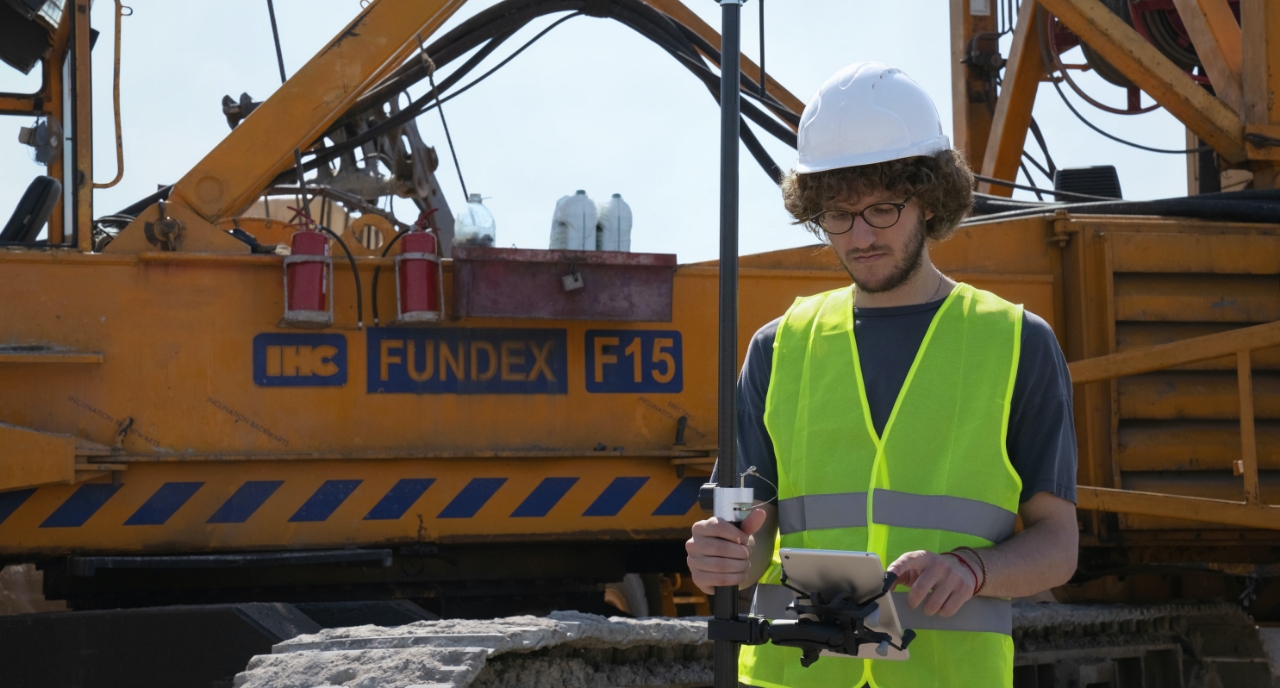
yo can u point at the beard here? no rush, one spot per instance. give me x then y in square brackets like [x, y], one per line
[907, 265]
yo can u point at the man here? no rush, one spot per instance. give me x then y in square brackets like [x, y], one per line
[907, 415]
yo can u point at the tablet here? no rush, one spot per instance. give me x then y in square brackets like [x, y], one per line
[859, 574]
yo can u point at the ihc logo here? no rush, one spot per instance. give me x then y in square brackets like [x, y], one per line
[300, 360]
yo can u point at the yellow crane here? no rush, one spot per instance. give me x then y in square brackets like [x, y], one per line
[167, 436]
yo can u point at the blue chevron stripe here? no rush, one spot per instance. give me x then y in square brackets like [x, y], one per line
[81, 505]
[163, 504]
[472, 497]
[398, 499]
[326, 499]
[681, 499]
[170, 497]
[10, 501]
[615, 496]
[544, 497]
[246, 500]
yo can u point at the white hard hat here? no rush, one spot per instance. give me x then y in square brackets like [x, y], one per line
[867, 113]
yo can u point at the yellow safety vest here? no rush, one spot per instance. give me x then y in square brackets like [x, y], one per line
[938, 479]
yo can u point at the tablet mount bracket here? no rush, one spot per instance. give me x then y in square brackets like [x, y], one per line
[837, 624]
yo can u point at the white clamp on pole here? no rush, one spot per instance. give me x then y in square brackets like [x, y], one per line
[733, 504]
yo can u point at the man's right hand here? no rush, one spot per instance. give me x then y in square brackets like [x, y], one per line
[720, 551]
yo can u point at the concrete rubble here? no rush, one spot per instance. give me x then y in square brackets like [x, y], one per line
[562, 650]
[1064, 618]
[1218, 642]
[21, 591]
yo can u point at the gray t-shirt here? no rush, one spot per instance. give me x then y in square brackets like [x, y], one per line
[1042, 436]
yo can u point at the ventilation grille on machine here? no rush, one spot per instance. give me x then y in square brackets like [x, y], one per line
[1099, 180]
[25, 26]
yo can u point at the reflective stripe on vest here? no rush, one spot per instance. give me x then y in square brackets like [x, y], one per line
[980, 614]
[902, 509]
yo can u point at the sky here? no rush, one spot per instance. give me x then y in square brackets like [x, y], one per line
[592, 105]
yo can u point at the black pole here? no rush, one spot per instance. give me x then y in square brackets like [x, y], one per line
[725, 601]
[764, 93]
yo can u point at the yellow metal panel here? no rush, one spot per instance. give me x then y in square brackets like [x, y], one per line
[29, 458]
[1011, 246]
[202, 506]
[1169, 252]
[238, 168]
[1193, 395]
[1197, 298]
[1192, 446]
[1144, 65]
[177, 390]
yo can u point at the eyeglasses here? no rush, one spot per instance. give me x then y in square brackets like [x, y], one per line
[878, 215]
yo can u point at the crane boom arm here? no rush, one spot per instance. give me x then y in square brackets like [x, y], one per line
[383, 35]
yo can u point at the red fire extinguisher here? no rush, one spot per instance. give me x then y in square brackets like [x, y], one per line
[419, 282]
[308, 272]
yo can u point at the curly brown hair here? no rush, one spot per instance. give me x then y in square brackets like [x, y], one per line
[942, 183]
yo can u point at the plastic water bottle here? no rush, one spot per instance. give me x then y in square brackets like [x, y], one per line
[613, 230]
[475, 225]
[573, 226]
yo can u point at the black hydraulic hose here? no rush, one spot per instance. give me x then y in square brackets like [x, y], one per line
[501, 64]
[777, 129]
[1254, 206]
[489, 28]
[393, 87]
[1043, 28]
[355, 273]
[496, 23]
[725, 600]
[761, 156]
[669, 35]
[417, 107]
[492, 26]
[1027, 173]
[1044, 148]
[1036, 164]
[782, 111]
[1038, 190]
[378, 270]
[137, 207]
[1117, 139]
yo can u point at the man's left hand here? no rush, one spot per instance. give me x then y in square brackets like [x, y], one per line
[937, 580]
